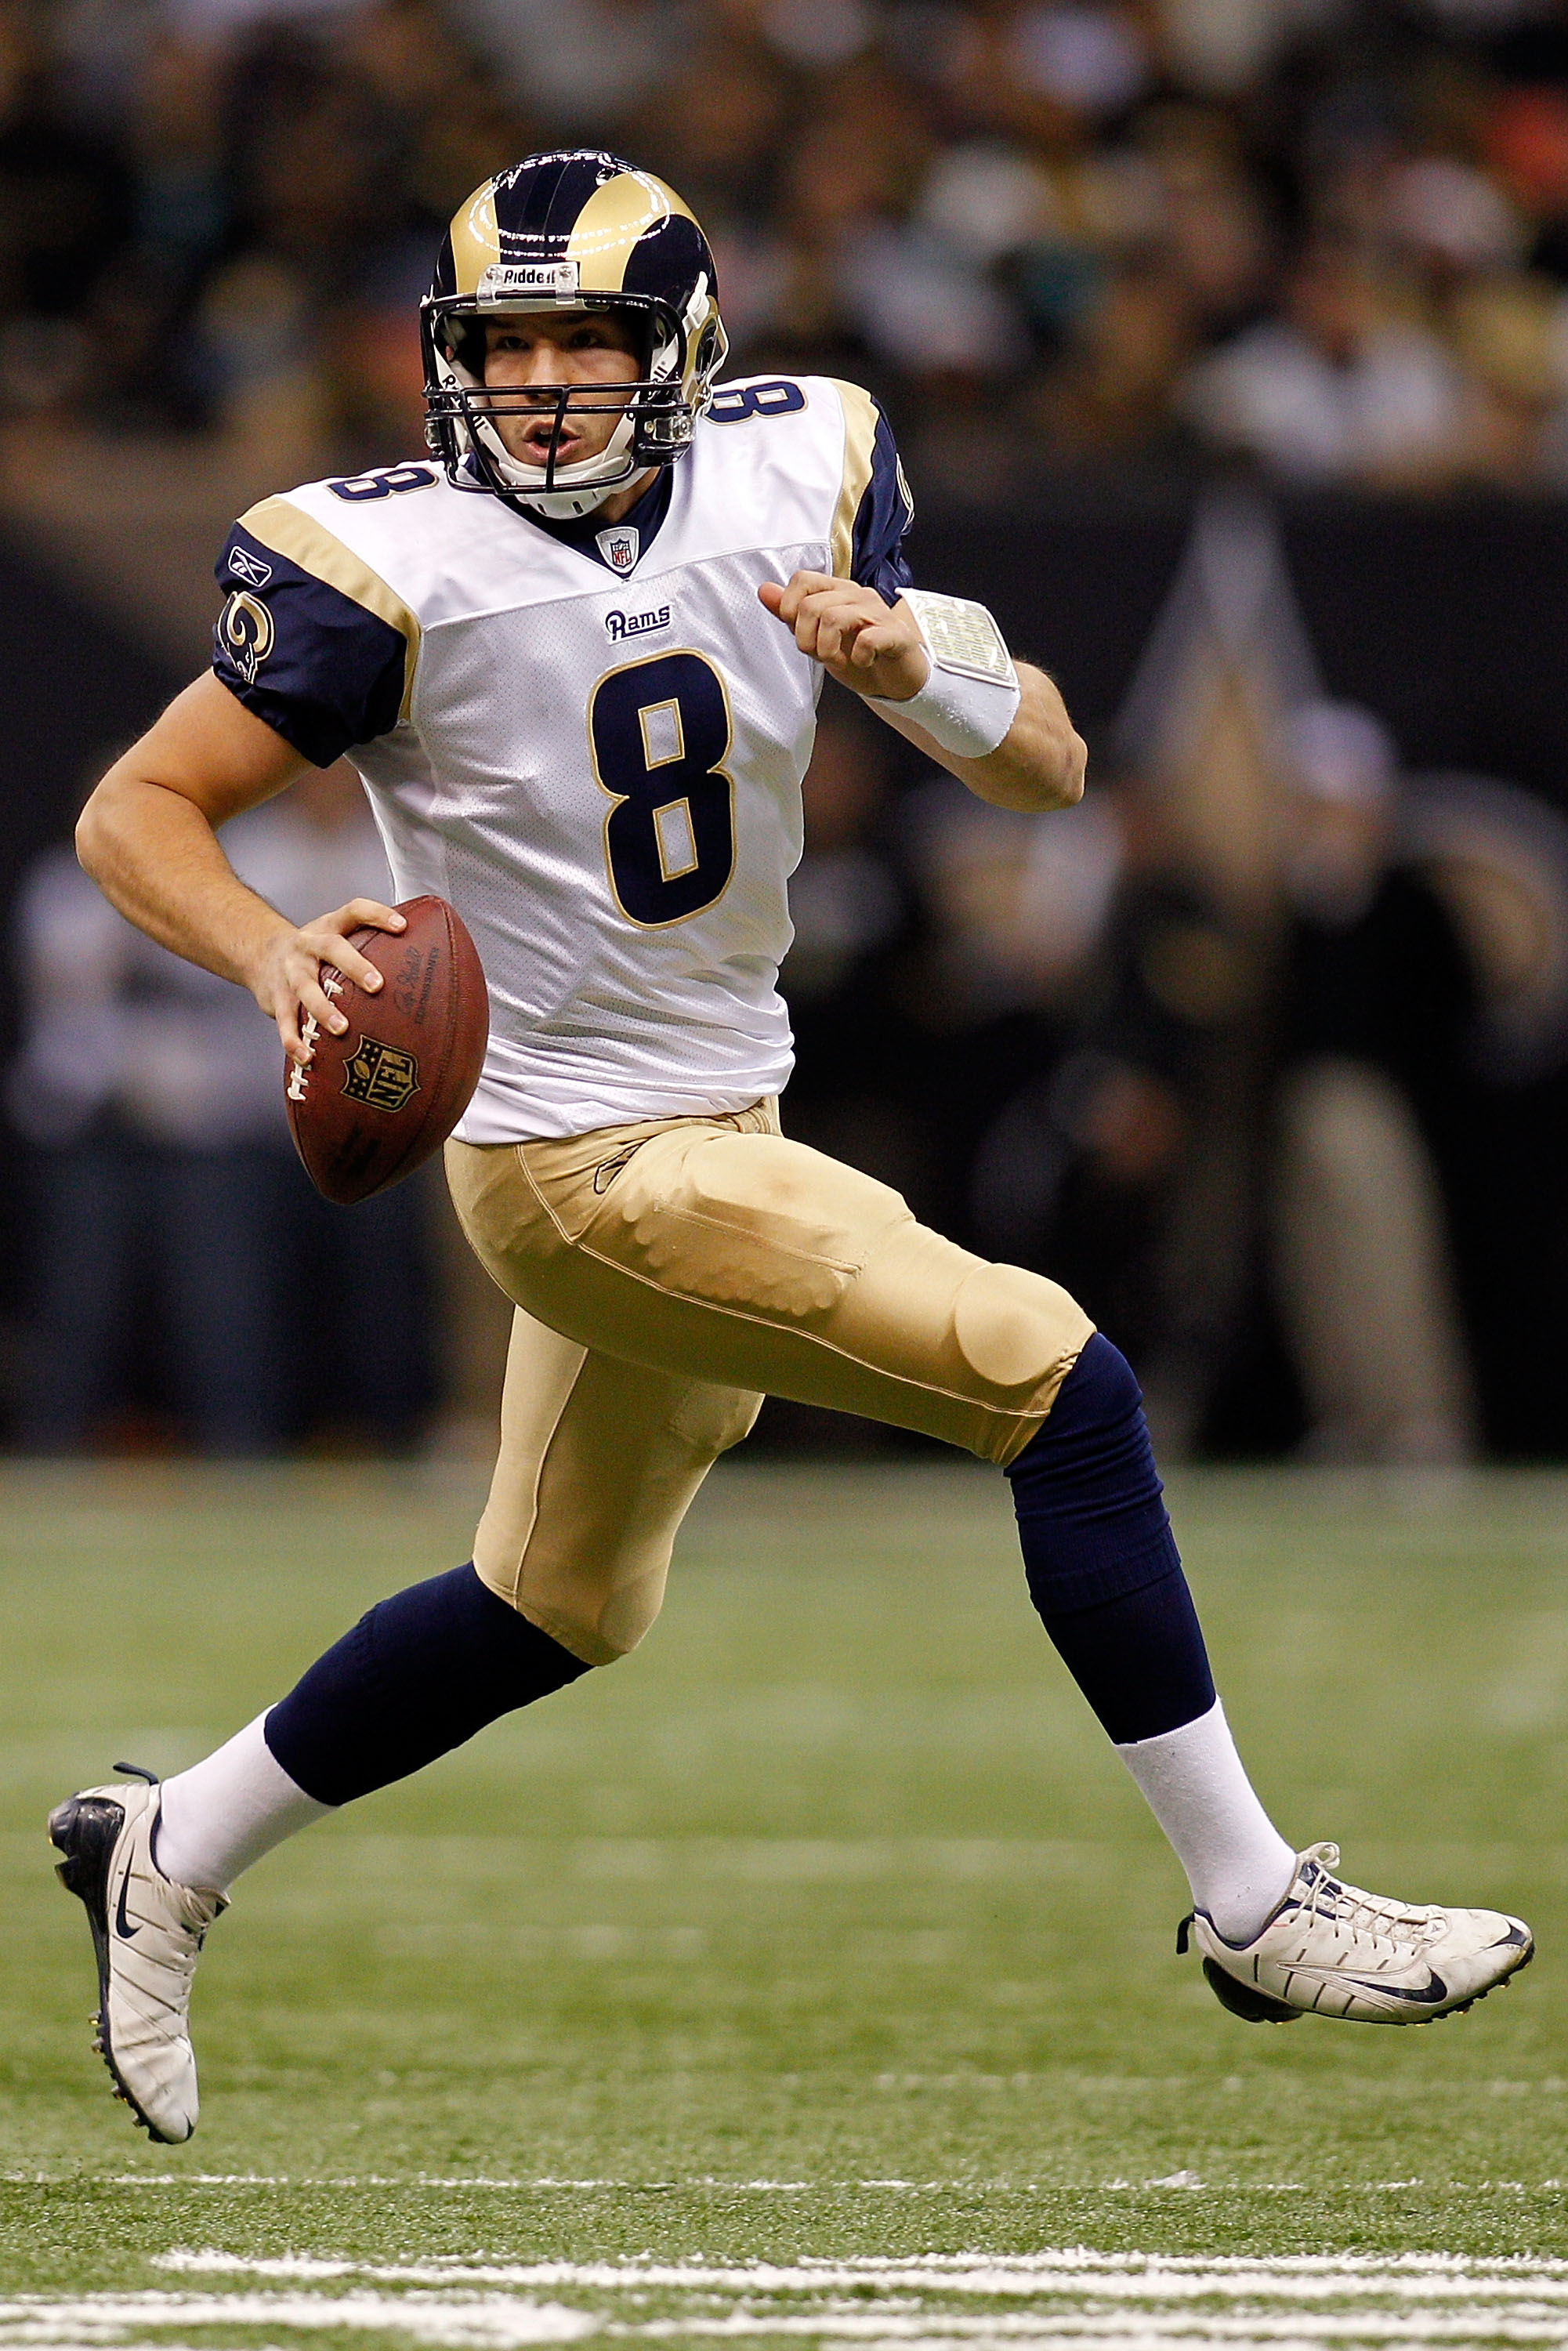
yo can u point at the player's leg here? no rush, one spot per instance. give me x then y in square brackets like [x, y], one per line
[719, 1245]
[599, 1462]
[746, 1248]
[1278, 1932]
[1105, 1576]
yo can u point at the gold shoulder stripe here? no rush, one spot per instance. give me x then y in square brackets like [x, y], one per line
[611, 223]
[288, 530]
[861, 415]
[476, 239]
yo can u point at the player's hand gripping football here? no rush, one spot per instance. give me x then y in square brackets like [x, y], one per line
[858, 639]
[286, 983]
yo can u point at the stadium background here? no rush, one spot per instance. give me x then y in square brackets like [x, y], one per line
[1227, 342]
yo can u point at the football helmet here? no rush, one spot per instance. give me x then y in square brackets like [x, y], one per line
[576, 229]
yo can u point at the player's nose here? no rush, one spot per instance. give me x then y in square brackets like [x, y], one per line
[547, 363]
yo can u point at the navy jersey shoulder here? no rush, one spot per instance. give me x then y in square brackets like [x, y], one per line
[313, 662]
[875, 508]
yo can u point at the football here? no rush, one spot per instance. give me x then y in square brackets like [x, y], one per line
[375, 1102]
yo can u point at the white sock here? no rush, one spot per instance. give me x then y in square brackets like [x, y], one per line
[1237, 1862]
[225, 1812]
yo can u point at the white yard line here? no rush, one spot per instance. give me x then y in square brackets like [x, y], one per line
[101, 2319]
[506, 2324]
[550, 2184]
[1056, 2298]
[1433, 2277]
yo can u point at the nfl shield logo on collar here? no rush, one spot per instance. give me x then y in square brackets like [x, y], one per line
[620, 547]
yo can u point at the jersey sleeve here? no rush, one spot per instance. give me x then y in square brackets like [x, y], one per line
[310, 638]
[874, 508]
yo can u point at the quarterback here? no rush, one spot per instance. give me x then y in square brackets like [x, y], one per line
[576, 658]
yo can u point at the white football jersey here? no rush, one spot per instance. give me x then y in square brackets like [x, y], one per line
[590, 741]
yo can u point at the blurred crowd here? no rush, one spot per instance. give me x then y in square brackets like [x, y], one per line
[1331, 235]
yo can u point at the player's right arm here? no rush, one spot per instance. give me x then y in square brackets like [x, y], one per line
[148, 836]
[312, 655]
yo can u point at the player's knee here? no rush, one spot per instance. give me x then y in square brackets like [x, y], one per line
[709, 1420]
[599, 1598]
[628, 1615]
[596, 1621]
[1013, 1329]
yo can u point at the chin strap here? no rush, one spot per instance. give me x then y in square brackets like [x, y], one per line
[566, 505]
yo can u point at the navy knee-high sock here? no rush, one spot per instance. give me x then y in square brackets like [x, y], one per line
[1100, 1557]
[418, 1675]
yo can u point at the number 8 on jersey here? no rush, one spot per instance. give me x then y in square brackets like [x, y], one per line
[659, 731]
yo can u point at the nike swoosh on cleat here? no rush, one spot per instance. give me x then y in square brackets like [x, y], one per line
[1428, 1994]
[122, 1926]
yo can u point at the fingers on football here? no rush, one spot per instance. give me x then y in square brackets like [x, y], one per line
[359, 913]
[303, 991]
[362, 912]
[291, 1027]
[318, 1006]
[327, 942]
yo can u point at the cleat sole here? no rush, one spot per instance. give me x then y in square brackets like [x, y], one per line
[1245, 2000]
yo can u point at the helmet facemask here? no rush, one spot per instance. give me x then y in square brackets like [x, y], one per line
[656, 410]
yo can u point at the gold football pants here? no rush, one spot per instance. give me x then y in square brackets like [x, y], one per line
[669, 1274]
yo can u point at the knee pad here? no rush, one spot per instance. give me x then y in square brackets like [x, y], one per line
[1010, 1326]
[711, 1420]
[1088, 1497]
[596, 1618]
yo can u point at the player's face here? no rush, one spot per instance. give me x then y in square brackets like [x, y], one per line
[542, 353]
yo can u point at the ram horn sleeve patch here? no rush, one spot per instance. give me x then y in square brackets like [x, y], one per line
[289, 531]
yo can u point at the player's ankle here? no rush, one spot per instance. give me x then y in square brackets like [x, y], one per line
[1238, 1912]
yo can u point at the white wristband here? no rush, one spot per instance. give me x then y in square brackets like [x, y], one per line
[971, 696]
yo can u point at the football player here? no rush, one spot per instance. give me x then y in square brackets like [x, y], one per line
[577, 657]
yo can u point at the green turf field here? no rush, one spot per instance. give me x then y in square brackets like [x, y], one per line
[727, 1992]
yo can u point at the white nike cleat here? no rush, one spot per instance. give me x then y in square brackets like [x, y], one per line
[147, 1935]
[1331, 1950]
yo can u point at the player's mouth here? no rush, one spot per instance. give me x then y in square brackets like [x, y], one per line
[532, 443]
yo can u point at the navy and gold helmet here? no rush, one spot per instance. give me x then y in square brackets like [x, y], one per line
[576, 229]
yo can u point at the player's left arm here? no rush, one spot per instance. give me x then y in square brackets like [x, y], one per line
[879, 652]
